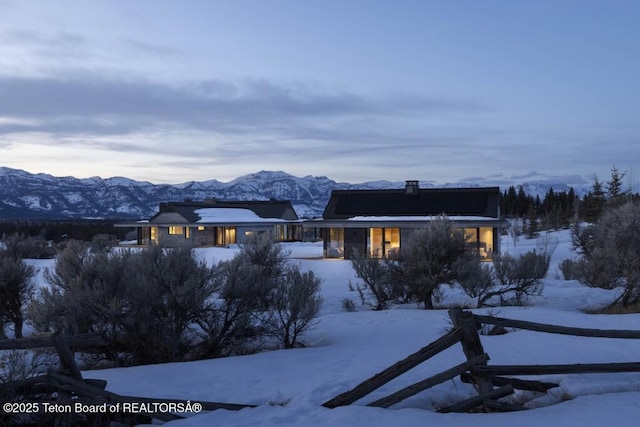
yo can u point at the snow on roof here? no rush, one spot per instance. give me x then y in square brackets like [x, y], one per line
[230, 215]
[424, 218]
[420, 218]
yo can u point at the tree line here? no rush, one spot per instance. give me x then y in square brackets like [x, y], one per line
[559, 209]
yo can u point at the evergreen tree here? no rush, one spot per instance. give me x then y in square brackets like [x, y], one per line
[594, 201]
[532, 228]
[522, 202]
[510, 202]
[616, 196]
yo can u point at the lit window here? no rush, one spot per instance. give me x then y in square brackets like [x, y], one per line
[175, 229]
[201, 228]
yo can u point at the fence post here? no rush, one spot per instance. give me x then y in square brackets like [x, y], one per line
[471, 345]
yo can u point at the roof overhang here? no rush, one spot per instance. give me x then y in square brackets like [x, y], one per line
[264, 222]
[404, 222]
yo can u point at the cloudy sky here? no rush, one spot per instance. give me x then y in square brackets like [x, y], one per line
[357, 90]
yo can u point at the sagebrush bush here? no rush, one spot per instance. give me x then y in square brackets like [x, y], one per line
[142, 304]
[162, 305]
[348, 305]
[572, 269]
[19, 246]
[377, 281]
[432, 257]
[610, 251]
[296, 303]
[16, 288]
[508, 280]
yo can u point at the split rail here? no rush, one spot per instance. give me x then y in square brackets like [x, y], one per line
[67, 387]
[492, 382]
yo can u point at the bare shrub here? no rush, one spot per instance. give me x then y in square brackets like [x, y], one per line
[611, 252]
[476, 279]
[377, 281]
[170, 297]
[261, 250]
[19, 246]
[102, 242]
[163, 305]
[348, 305]
[507, 281]
[18, 365]
[230, 323]
[296, 303]
[572, 269]
[432, 258]
[259, 294]
[143, 304]
[16, 287]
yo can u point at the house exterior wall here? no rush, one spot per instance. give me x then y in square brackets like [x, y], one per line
[243, 233]
[341, 242]
[355, 241]
[205, 237]
[167, 239]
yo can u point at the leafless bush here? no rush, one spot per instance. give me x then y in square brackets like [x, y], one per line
[17, 365]
[162, 305]
[296, 303]
[377, 281]
[477, 279]
[16, 287]
[19, 246]
[611, 251]
[572, 269]
[143, 304]
[432, 258]
[509, 280]
[259, 294]
[102, 242]
[348, 305]
[230, 324]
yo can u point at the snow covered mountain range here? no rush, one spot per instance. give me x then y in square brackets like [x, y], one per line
[24, 195]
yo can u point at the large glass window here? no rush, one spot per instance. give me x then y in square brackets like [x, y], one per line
[230, 235]
[480, 239]
[375, 243]
[175, 229]
[335, 248]
[391, 241]
[383, 242]
[225, 236]
[486, 240]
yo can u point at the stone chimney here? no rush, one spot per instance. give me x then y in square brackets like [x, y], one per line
[411, 188]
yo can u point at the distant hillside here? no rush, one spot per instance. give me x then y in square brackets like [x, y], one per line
[40, 196]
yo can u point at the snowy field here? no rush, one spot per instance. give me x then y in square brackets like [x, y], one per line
[346, 348]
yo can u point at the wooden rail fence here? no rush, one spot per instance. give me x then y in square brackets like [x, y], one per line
[477, 371]
[492, 382]
[68, 387]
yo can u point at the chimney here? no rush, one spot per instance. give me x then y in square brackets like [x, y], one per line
[411, 188]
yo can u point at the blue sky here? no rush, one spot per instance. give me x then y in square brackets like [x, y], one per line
[170, 91]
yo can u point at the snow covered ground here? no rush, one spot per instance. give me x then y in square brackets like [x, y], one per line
[346, 348]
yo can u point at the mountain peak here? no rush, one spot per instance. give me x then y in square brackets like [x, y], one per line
[27, 195]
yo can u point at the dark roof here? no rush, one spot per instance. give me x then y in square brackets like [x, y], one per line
[270, 209]
[478, 201]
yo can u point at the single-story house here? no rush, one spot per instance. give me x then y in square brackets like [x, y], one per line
[376, 222]
[217, 223]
